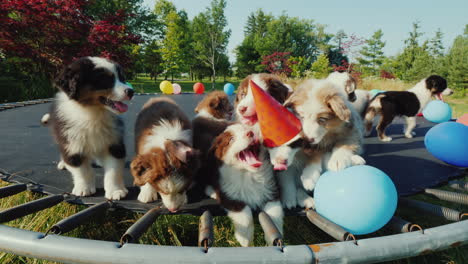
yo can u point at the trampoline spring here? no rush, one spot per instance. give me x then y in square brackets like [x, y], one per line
[134, 232]
[12, 190]
[73, 221]
[460, 198]
[400, 225]
[328, 227]
[272, 235]
[447, 213]
[205, 231]
[459, 185]
[30, 207]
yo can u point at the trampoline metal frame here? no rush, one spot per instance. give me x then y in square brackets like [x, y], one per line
[76, 250]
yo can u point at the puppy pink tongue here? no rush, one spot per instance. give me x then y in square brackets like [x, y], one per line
[252, 160]
[280, 167]
[121, 107]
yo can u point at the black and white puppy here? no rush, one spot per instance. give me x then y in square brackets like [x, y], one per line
[85, 125]
[404, 103]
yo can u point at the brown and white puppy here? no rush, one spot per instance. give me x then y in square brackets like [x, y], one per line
[331, 128]
[166, 162]
[243, 180]
[404, 103]
[213, 115]
[85, 124]
[244, 103]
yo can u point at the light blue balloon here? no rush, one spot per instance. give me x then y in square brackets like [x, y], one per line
[375, 92]
[437, 111]
[361, 199]
[447, 142]
[229, 88]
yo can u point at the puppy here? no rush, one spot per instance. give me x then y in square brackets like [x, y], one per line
[404, 103]
[85, 124]
[243, 180]
[213, 115]
[332, 129]
[165, 162]
[244, 103]
[359, 99]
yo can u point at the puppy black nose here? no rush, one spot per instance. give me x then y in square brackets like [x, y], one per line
[250, 134]
[242, 109]
[129, 92]
[310, 140]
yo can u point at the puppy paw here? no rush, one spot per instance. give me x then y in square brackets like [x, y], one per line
[61, 165]
[243, 241]
[147, 197]
[83, 190]
[308, 183]
[386, 139]
[307, 203]
[288, 201]
[210, 192]
[410, 135]
[358, 160]
[116, 194]
[339, 161]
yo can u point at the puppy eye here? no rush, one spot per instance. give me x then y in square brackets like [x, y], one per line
[322, 120]
[231, 139]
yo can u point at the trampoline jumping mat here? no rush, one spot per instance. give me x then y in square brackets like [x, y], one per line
[28, 154]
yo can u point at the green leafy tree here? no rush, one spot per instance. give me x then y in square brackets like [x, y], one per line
[176, 44]
[162, 9]
[436, 48]
[210, 37]
[405, 61]
[299, 65]
[457, 59]
[372, 55]
[320, 68]
[152, 59]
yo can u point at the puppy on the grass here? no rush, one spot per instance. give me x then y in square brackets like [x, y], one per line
[85, 124]
[243, 180]
[404, 103]
[166, 162]
[332, 134]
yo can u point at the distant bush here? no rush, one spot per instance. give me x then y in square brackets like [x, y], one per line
[386, 75]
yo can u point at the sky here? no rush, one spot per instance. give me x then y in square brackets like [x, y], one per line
[359, 17]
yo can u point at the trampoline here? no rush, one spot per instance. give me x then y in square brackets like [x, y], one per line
[29, 156]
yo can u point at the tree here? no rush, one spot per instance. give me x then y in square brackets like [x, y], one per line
[152, 59]
[176, 44]
[372, 55]
[321, 67]
[436, 48]
[210, 37]
[340, 37]
[405, 61]
[457, 59]
[299, 65]
[278, 63]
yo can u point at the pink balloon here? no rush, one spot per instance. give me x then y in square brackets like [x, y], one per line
[177, 88]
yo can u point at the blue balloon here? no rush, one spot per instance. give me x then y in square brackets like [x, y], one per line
[361, 199]
[447, 142]
[229, 88]
[375, 92]
[437, 111]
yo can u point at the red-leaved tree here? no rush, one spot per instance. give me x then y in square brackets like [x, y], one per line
[386, 75]
[278, 63]
[50, 33]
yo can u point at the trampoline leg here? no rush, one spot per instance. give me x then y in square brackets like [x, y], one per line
[460, 198]
[400, 225]
[12, 190]
[328, 227]
[459, 185]
[205, 231]
[273, 236]
[73, 221]
[134, 232]
[29, 208]
[447, 213]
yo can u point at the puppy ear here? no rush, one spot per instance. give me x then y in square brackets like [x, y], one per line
[220, 144]
[67, 81]
[338, 106]
[215, 102]
[179, 150]
[139, 168]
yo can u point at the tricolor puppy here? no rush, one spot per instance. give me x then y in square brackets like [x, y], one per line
[244, 102]
[213, 115]
[359, 98]
[165, 162]
[331, 127]
[243, 180]
[404, 103]
[85, 124]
